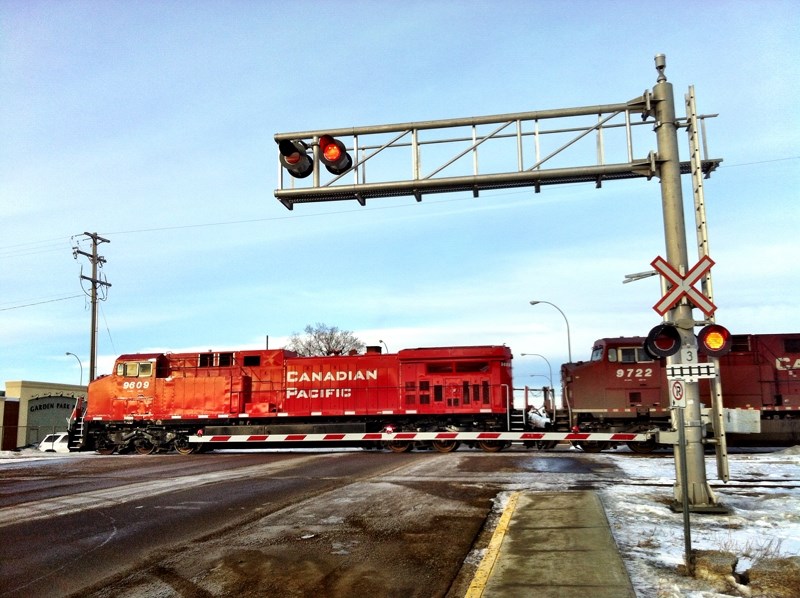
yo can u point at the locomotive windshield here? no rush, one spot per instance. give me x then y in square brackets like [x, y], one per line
[628, 355]
[135, 369]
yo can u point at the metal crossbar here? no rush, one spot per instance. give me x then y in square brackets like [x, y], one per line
[507, 169]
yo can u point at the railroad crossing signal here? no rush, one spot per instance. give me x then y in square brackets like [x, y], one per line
[446, 156]
[664, 340]
[332, 154]
[714, 340]
[683, 286]
[295, 158]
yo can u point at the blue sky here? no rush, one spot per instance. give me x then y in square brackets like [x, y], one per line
[151, 124]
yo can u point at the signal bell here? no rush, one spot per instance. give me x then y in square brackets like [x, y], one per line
[714, 340]
[662, 341]
[333, 155]
[295, 158]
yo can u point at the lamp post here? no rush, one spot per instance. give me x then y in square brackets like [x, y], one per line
[569, 340]
[550, 377]
[539, 376]
[80, 364]
[549, 368]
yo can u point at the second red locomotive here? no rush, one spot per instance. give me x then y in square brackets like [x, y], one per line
[622, 388]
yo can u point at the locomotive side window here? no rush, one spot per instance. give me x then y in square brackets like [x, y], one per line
[210, 360]
[597, 354]
[474, 367]
[145, 370]
[791, 345]
[252, 360]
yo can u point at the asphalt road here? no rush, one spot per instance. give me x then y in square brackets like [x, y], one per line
[251, 524]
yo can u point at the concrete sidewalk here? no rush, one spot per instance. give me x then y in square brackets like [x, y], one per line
[555, 544]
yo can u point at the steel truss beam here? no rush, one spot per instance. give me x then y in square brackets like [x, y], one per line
[371, 142]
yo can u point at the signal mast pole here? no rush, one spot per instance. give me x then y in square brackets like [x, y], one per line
[700, 494]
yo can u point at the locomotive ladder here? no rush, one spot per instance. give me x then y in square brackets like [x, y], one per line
[696, 161]
[76, 439]
[517, 421]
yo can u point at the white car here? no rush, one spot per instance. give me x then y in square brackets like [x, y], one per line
[55, 443]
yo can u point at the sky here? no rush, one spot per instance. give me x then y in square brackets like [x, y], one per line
[152, 123]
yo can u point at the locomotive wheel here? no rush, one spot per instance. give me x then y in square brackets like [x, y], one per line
[399, 446]
[546, 445]
[445, 446]
[643, 448]
[491, 446]
[145, 447]
[106, 448]
[592, 447]
[183, 447]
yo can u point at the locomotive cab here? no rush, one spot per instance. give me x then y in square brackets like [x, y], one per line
[621, 378]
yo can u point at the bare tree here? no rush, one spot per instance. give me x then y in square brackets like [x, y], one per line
[322, 339]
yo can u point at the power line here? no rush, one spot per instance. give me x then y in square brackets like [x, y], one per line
[760, 162]
[40, 302]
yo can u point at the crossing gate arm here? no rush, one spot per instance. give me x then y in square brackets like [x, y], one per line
[422, 437]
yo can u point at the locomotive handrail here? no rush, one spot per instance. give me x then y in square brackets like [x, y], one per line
[508, 406]
[567, 405]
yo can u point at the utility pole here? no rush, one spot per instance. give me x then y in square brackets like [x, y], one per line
[95, 260]
[694, 483]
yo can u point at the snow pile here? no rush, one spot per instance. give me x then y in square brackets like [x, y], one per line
[763, 497]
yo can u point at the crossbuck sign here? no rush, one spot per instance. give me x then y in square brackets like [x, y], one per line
[683, 286]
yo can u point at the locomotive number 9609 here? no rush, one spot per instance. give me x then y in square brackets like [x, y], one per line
[634, 372]
[136, 385]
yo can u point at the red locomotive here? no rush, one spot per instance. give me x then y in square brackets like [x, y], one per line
[622, 388]
[163, 400]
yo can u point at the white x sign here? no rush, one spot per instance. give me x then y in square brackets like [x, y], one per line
[682, 286]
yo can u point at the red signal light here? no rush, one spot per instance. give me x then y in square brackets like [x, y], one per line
[714, 340]
[334, 155]
[331, 151]
[662, 341]
[295, 158]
